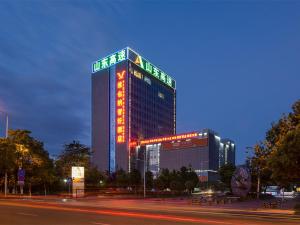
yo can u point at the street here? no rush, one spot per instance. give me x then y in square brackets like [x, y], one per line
[126, 212]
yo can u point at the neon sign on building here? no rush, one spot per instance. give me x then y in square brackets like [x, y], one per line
[137, 59]
[110, 60]
[150, 68]
[120, 106]
[169, 138]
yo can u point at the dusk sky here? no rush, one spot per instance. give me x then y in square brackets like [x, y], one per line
[236, 63]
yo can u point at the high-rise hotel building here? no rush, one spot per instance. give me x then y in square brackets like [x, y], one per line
[132, 99]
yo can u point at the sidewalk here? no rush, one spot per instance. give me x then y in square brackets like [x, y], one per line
[251, 205]
[254, 206]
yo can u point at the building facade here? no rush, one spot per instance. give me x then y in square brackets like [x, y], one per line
[131, 100]
[227, 152]
[200, 151]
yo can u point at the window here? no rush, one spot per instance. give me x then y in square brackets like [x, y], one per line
[161, 95]
[147, 80]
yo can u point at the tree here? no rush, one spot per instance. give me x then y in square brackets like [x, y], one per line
[135, 178]
[285, 159]
[94, 178]
[31, 156]
[157, 184]
[149, 179]
[176, 185]
[280, 154]
[282, 142]
[73, 154]
[226, 171]
[122, 178]
[7, 159]
[189, 185]
[163, 180]
[77, 154]
[176, 180]
[189, 178]
[259, 168]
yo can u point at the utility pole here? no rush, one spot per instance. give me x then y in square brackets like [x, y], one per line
[258, 184]
[145, 161]
[258, 172]
[6, 136]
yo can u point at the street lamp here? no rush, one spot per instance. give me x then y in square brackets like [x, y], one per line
[6, 136]
[68, 181]
[258, 171]
[144, 162]
[248, 160]
[145, 165]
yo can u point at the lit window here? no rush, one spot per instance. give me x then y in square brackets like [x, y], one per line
[161, 95]
[147, 80]
[137, 74]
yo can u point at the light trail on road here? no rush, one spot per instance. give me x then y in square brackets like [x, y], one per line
[201, 211]
[98, 223]
[183, 216]
[119, 213]
[27, 214]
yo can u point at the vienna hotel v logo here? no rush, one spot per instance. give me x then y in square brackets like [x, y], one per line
[121, 75]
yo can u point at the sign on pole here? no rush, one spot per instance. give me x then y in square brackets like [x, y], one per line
[21, 179]
[78, 181]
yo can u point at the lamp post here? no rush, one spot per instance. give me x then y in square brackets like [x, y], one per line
[144, 169]
[258, 171]
[6, 136]
[248, 160]
[145, 161]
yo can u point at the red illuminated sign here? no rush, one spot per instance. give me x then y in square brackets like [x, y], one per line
[189, 143]
[120, 106]
[133, 144]
[169, 138]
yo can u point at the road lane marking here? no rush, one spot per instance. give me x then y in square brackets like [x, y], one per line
[27, 214]
[100, 223]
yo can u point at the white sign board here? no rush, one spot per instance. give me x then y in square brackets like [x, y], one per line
[77, 172]
[78, 181]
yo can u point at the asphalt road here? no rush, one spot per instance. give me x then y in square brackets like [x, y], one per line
[31, 212]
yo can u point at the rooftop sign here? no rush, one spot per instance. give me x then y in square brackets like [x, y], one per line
[137, 59]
